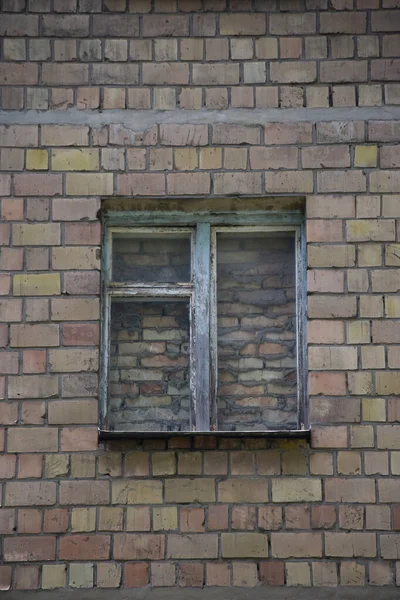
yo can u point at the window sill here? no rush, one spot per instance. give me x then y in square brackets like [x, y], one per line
[304, 434]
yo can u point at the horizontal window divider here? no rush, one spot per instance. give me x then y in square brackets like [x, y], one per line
[171, 218]
[151, 292]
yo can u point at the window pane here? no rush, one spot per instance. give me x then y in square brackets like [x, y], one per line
[256, 310]
[145, 258]
[149, 366]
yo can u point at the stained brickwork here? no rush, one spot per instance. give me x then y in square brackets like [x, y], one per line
[78, 513]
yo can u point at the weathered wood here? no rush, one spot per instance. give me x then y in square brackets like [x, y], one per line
[104, 326]
[301, 324]
[202, 326]
[171, 218]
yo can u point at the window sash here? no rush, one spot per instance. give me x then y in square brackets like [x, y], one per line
[202, 294]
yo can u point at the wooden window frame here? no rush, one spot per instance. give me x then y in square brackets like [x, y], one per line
[201, 293]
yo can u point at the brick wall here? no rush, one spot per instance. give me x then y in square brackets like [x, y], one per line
[214, 512]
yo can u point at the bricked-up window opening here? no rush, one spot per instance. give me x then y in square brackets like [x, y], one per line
[203, 328]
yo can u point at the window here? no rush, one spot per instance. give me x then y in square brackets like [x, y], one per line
[203, 322]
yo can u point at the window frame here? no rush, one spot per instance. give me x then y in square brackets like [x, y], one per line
[201, 292]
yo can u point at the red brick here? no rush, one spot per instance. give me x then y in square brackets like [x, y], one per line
[138, 546]
[19, 74]
[34, 361]
[192, 519]
[217, 517]
[136, 575]
[384, 131]
[7, 520]
[36, 184]
[55, 520]
[141, 184]
[288, 133]
[30, 465]
[24, 493]
[191, 575]
[77, 282]
[385, 20]
[323, 517]
[85, 547]
[26, 578]
[78, 439]
[329, 437]
[12, 209]
[5, 578]
[272, 572]
[33, 413]
[164, 26]
[82, 233]
[8, 412]
[11, 259]
[80, 334]
[188, 183]
[29, 520]
[21, 549]
[7, 466]
[84, 492]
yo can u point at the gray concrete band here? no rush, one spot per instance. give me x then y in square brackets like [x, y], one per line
[213, 593]
[144, 119]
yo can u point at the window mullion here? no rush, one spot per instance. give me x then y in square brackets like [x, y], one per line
[202, 326]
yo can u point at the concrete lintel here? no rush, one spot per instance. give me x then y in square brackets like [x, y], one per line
[212, 593]
[141, 120]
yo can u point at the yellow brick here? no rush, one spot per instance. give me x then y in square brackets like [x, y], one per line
[75, 257]
[294, 463]
[53, 576]
[138, 519]
[373, 357]
[186, 159]
[47, 284]
[349, 463]
[244, 545]
[296, 489]
[392, 306]
[83, 466]
[111, 518]
[373, 409]
[366, 156]
[358, 332]
[298, 573]
[189, 463]
[165, 518]
[210, 158]
[137, 492]
[83, 519]
[56, 465]
[369, 255]
[36, 234]
[85, 184]
[360, 383]
[362, 436]
[37, 160]
[352, 573]
[75, 159]
[164, 463]
[243, 490]
[81, 575]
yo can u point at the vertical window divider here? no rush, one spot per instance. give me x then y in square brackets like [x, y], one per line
[106, 257]
[301, 320]
[202, 327]
[213, 332]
